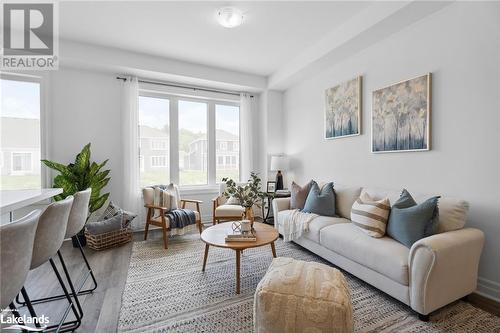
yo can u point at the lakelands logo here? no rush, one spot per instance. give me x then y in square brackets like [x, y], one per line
[20, 324]
[29, 36]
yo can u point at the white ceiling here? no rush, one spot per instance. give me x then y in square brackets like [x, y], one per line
[272, 34]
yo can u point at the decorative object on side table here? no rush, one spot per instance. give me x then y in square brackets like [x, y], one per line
[343, 109]
[248, 194]
[270, 198]
[401, 115]
[271, 187]
[279, 163]
[78, 176]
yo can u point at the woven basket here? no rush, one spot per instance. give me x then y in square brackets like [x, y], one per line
[109, 239]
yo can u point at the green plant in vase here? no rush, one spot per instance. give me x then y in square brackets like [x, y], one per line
[248, 194]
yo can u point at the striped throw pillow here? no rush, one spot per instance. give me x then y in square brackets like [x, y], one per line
[161, 198]
[371, 216]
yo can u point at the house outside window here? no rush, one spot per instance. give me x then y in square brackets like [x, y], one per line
[21, 162]
[157, 144]
[196, 162]
[20, 132]
[158, 161]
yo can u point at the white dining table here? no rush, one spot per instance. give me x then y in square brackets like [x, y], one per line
[11, 200]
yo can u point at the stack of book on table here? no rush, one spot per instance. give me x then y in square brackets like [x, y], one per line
[282, 192]
[238, 236]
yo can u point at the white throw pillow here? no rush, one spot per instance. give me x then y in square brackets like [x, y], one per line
[175, 200]
[233, 201]
[371, 216]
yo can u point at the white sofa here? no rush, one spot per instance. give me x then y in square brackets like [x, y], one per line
[436, 271]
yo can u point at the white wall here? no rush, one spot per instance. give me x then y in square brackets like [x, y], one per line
[460, 46]
[85, 107]
[271, 131]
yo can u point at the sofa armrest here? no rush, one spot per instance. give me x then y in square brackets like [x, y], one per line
[444, 268]
[280, 204]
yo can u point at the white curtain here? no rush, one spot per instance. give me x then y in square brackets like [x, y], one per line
[247, 115]
[132, 197]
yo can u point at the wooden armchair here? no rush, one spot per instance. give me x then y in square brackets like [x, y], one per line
[222, 212]
[161, 220]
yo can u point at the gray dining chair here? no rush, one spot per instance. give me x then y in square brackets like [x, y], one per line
[16, 248]
[76, 222]
[49, 237]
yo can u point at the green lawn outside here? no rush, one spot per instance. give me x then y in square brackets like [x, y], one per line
[20, 182]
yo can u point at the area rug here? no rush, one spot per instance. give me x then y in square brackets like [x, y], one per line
[166, 291]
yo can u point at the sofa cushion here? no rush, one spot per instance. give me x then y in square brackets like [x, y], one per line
[410, 221]
[452, 211]
[370, 215]
[452, 214]
[321, 201]
[299, 194]
[315, 225]
[383, 255]
[229, 210]
[345, 196]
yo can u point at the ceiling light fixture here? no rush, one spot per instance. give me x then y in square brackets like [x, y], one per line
[229, 17]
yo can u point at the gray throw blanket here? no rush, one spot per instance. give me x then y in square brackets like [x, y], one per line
[180, 218]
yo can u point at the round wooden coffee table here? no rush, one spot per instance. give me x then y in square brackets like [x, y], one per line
[215, 236]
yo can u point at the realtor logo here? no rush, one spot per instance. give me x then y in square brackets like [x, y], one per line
[29, 39]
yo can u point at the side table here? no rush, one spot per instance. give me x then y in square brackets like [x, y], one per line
[270, 198]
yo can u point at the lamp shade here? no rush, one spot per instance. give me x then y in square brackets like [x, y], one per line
[279, 163]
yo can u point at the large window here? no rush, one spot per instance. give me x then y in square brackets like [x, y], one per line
[193, 148]
[227, 124]
[154, 137]
[20, 133]
[188, 140]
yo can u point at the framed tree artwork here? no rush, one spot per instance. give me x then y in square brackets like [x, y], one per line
[343, 109]
[401, 116]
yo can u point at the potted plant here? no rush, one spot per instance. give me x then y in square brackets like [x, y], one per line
[79, 176]
[248, 194]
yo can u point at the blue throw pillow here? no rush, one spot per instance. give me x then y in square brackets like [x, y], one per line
[321, 202]
[409, 221]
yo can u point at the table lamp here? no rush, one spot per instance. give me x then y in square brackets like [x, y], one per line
[279, 163]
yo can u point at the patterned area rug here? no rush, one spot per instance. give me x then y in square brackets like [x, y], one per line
[167, 292]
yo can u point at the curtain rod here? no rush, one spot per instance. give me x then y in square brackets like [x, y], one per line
[184, 86]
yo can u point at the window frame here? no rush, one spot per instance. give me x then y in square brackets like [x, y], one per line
[173, 149]
[42, 79]
[154, 140]
[24, 171]
[152, 157]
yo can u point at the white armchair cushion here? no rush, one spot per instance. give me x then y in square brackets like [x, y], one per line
[229, 211]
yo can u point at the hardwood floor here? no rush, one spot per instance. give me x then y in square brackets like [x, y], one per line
[102, 307]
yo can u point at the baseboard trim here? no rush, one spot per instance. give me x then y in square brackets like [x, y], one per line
[484, 303]
[488, 289]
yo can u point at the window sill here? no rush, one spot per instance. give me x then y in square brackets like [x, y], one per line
[201, 189]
